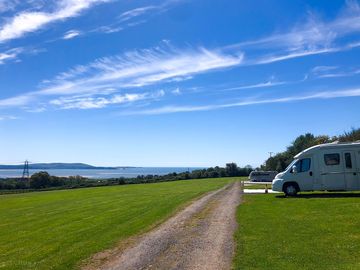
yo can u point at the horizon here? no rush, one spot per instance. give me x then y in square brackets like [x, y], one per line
[82, 163]
[174, 83]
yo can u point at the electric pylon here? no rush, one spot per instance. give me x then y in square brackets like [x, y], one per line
[26, 175]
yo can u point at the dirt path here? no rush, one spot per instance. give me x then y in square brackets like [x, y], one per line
[199, 237]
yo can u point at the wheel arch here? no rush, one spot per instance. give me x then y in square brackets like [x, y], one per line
[291, 183]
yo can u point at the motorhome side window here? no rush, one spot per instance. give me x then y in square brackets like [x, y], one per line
[348, 162]
[303, 165]
[332, 159]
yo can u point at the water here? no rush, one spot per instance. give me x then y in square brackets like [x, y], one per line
[95, 173]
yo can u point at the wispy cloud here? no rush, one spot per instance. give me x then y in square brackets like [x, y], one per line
[340, 74]
[154, 9]
[268, 59]
[313, 37]
[101, 102]
[176, 91]
[320, 69]
[6, 5]
[71, 34]
[136, 16]
[138, 69]
[270, 83]
[136, 12]
[132, 70]
[16, 101]
[333, 72]
[7, 117]
[11, 54]
[31, 21]
[247, 102]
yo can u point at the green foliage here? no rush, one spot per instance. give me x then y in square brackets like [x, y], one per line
[350, 136]
[59, 229]
[311, 231]
[40, 180]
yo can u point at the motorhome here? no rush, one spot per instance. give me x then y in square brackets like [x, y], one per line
[262, 176]
[331, 167]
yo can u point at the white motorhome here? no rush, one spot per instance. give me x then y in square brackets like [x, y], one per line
[262, 176]
[332, 167]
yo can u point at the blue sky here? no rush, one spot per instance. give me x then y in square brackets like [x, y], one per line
[176, 82]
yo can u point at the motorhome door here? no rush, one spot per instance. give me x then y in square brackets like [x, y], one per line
[332, 170]
[351, 170]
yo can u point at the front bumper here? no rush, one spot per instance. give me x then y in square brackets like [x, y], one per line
[277, 185]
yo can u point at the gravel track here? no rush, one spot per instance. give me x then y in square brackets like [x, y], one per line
[198, 237]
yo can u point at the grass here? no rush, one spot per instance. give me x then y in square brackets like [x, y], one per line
[60, 229]
[312, 231]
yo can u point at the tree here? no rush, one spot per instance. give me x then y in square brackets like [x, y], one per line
[231, 169]
[40, 180]
[350, 136]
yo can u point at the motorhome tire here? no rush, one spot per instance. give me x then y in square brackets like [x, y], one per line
[290, 189]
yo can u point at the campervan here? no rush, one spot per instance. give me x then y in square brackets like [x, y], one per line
[262, 176]
[331, 167]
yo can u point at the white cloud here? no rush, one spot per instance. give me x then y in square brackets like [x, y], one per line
[30, 21]
[319, 69]
[270, 83]
[125, 16]
[7, 117]
[6, 5]
[176, 92]
[16, 101]
[138, 69]
[101, 102]
[333, 72]
[71, 34]
[11, 54]
[310, 38]
[247, 102]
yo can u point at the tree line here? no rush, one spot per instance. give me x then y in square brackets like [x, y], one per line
[44, 181]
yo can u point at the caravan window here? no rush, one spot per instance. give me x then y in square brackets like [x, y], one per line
[332, 159]
[348, 162]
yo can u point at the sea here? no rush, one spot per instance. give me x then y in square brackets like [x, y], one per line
[100, 173]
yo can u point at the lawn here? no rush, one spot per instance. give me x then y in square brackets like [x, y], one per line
[60, 229]
[312, 231]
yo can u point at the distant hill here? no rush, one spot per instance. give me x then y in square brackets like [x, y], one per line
[59, 166]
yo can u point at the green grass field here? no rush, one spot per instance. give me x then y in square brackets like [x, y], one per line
[311, 231]
[60, 229]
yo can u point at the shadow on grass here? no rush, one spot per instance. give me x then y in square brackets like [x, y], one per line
[322, 195]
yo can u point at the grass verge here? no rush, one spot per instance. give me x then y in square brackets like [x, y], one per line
[312, 231]
[59, 229]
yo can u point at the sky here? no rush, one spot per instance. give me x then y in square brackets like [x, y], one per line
[174, 82]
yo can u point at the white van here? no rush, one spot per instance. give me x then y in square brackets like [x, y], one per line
[332, 166]
[262, 176]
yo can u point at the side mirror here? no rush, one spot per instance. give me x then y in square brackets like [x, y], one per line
[294, 169]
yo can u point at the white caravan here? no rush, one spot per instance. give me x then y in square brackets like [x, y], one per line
[332, 166]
